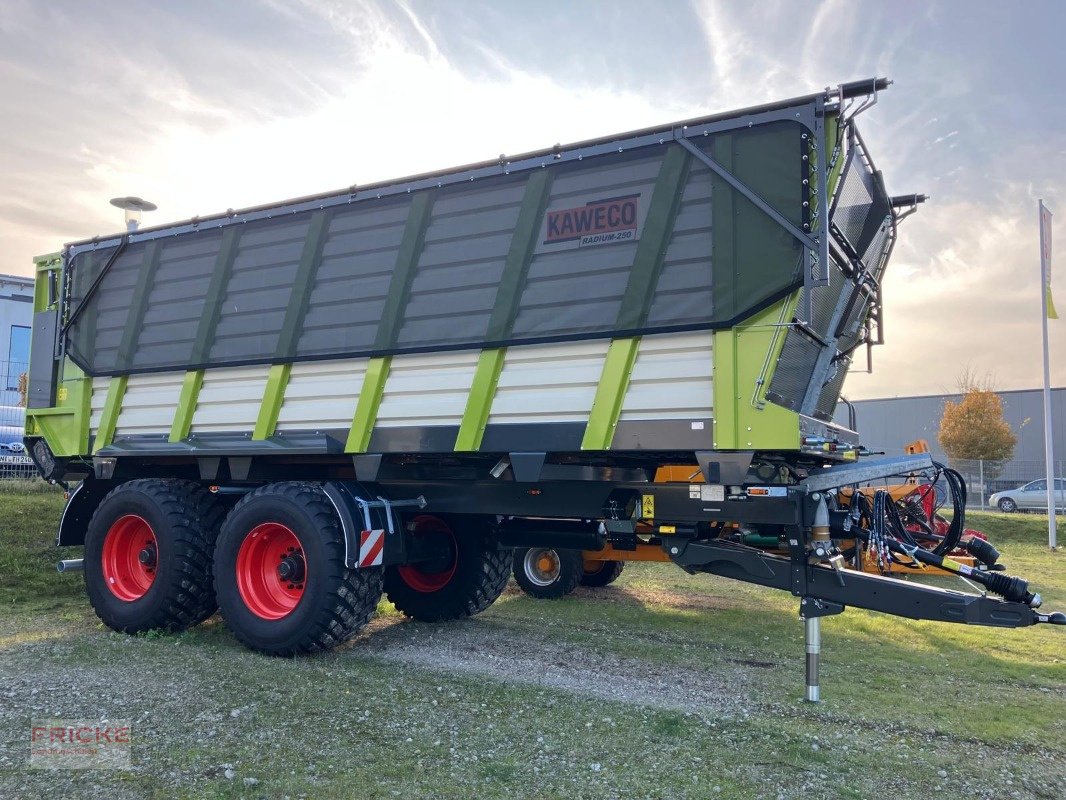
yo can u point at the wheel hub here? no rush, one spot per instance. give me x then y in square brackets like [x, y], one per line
[292, 568]
[129, 557]
[542, 566]
[434, 573]
[147, 556]
[271, 571]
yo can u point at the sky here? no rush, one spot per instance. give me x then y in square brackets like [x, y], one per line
[204, 106]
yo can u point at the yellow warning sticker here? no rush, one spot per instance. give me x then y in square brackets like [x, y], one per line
[647, 506]
[667, 529]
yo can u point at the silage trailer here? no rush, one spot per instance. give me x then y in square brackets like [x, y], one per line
[285, 411]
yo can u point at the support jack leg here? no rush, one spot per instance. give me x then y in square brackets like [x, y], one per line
[811, 612]
[812, 628]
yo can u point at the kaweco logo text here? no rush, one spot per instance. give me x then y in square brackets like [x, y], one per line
[597, 222]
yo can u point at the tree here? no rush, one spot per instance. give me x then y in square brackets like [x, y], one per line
[974, 428]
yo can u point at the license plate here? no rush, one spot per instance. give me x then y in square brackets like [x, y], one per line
[15, 460]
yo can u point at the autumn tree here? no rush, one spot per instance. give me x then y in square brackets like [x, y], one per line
[974, 427]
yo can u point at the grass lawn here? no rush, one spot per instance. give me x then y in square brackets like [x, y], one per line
[662, 685]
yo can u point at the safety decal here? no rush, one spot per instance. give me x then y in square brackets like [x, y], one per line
[647, 506]
[371, 547]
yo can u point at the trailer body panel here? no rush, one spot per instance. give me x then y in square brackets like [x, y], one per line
[437, 306]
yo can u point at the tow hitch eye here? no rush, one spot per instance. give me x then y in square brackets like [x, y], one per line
[147, 556]
[1057, 618]
[291, 568]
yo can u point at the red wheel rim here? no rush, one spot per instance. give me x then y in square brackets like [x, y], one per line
[129, 558]
[271, 571]
[427, 577]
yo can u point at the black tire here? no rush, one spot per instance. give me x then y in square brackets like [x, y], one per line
[547, 573]
[183, 519]
[471, 573]
[606, 572]
[1007, 506]
[334, 602]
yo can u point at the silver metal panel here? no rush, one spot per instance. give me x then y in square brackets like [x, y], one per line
[96, 402]
[322, 395]
[672, 379]
[867, 470]
[549, 383]
[427, 390]
[229, 400]
[148, 404]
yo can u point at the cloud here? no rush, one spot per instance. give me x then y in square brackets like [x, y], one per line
[389, 104]
[259, 101]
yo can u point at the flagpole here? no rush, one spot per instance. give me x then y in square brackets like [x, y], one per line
[1049, 455]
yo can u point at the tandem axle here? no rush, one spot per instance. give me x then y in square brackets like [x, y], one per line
[422, 535]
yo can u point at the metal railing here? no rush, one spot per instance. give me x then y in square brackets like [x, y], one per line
[986, 478]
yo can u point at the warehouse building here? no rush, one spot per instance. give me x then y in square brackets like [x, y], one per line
[887, 424]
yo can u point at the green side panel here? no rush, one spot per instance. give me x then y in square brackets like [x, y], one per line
[273, 397]
[190, 391]
[65, 426]
[743, 420]
[216, 294]
[403, 273]
[139, 303]
[606, 407]
[43, 265]
[366, 410]
[112, 406]
[754, 258]
[479, 403]
[832, 137]
[302, 283]
[658, 228]
[520, 254]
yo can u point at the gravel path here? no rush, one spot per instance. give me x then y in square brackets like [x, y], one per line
[502, 653]
[209, 713]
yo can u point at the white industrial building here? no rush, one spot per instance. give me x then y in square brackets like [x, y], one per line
[16, 319]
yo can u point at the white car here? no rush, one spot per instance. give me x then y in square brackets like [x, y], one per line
[1031, 497]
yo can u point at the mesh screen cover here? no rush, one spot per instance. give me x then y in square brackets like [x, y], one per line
[638, 242]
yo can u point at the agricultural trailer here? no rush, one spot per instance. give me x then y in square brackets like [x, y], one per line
[287, 411]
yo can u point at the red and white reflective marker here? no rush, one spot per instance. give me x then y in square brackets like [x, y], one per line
[371, 548]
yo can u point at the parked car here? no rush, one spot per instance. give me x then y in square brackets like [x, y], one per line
[1030, 497]
[13, 458]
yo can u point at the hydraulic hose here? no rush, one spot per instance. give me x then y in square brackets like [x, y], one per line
[1006, 586]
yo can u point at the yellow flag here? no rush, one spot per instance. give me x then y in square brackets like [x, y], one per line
[1045, 258]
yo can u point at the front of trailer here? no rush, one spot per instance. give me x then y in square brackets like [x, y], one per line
[394, 383]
